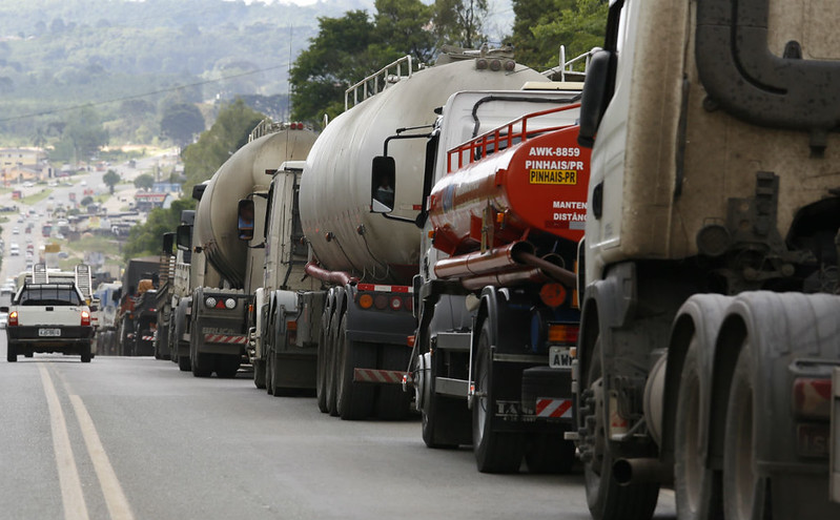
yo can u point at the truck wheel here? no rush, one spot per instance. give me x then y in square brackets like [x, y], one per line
[201, 364]
[495, 452]
[549, 453]
[227, 366]
[606, 499]
[86, 354]
[184, 364]
[29, 354]
[259, 373]
[392, 404]
[321, 374]
[697, 488]
[11, 353]
[354, 401]
[739, 480]
[330, 362]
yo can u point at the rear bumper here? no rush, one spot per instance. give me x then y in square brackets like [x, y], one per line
[28, 339]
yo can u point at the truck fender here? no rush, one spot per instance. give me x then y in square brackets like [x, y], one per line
[789, 334]
[700, 316]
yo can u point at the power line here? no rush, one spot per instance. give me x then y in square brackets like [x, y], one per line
[138, 96]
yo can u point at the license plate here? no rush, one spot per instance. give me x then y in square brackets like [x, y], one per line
[51, 333]
[559, 357]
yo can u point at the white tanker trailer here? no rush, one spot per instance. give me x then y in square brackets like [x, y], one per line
[365, 260]
[219, 314]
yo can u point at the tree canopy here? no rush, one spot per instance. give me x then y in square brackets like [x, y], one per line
[181, 122]
[146, 239]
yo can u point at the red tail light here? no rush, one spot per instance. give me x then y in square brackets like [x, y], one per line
[13, 321]
[85, 319]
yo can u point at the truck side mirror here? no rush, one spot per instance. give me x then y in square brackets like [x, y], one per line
[245, 224]
[198, 191]
[183, 237]
[596, 94]
[383, 179]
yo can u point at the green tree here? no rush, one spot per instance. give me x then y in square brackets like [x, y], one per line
[181, 122]
[86, 201]
[229, 133]
[541, 26]
[144, 182]
[111, 178]
[145, 239]
[83, 135]
[460, 22]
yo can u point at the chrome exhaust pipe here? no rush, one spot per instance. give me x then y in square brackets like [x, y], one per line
[631, 471]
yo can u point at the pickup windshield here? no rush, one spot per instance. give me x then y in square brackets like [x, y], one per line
[49, 294]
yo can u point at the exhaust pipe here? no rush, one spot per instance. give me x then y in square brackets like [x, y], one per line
[632, 471]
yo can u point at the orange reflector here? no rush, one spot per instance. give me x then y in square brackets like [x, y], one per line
[812, 397]
[291, 325]
[553, 294]
[365, 301]
[561, 333]
[250, 308]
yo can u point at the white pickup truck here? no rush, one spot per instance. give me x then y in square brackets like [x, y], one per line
[49, 317]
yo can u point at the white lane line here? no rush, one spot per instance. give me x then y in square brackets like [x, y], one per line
[115, 498]
[72, 496]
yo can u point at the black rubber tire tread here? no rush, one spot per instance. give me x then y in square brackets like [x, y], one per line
[259, 373]
[495, 452]
[201, 364]
[85, 353]
[392, 403]
[321, 376]
[331, 360]
[607, 500]
[706, 503]
[184, 364]
[353, 401]
[549, 453]
[738, 477]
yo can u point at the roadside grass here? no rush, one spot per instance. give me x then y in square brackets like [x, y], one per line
[35, 199]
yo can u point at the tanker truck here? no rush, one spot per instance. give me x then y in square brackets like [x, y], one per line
[163, 301]
[709, 325]
[181, 299]
[219, 315]
[495, 294]
[366, 261]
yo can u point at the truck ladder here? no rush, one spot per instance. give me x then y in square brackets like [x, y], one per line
[39, 273]
[380, 77]
[83, 281]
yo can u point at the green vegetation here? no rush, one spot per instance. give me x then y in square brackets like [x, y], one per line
[36, 198]
[146, 239]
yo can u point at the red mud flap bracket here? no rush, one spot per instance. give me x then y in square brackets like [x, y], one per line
[378, 377]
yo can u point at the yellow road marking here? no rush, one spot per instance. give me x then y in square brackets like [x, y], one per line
[117, 503]
[72, 496]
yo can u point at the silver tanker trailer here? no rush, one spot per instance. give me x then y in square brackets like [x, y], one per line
[366, 261]
[219, 312]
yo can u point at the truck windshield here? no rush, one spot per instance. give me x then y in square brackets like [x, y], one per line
[48, 294]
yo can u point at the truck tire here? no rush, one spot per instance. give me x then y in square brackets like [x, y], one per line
[739, 480]
[354, 401]
[202, 365]
[446, 422]
[696, 487]
[86, 353]
[11, 352]
[495, 452]
[259, 373]
[321, 373]
[606, 499]
[184, 364]
[392, 403]
[330, 360]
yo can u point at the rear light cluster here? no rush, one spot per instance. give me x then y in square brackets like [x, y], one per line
[296, 126]
[13, 319]
[393, 297]
[85, 318]
[220, 303]
[563, 333]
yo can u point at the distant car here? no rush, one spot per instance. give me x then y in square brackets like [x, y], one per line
[16, 231]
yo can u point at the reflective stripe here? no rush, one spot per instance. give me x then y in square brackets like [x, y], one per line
[557, 408]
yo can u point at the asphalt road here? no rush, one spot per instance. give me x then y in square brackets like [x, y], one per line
[137, 438]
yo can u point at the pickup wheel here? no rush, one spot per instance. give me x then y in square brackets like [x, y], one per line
[11, 352]
[495, 452]
[86, 354]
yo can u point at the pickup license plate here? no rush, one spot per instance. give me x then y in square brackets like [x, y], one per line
[50, 333]
[559, 357]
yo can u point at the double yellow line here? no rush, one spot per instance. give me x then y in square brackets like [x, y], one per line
[72, 496]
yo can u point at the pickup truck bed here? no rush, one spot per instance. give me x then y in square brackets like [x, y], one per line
[49, 317]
